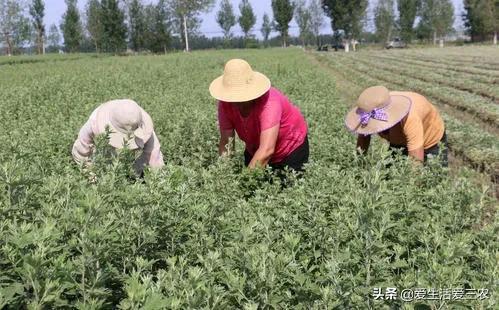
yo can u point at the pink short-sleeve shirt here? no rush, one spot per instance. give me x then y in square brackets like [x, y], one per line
[272, 109]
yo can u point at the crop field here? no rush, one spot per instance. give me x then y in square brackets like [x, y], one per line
[462, 81]
[204, 233]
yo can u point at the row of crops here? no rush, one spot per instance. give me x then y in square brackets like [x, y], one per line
[203, 232]
[468, 97]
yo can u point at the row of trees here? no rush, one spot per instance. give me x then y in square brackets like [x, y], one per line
[22, 22]
[105, 24]
[398, 17]
[481, 18]
[111, 25]
[114, 25]
[436, 18]
[309, 18]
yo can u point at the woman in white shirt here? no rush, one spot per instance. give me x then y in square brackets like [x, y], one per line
[130, 126]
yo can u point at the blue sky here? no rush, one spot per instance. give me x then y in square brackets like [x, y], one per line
[54, 9]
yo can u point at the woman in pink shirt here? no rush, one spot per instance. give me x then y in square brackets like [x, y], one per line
[273, 129]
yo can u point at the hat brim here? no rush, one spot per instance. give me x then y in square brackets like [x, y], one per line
[397, 109]
[259, 85]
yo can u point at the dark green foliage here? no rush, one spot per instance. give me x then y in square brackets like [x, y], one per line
[407, 15]
[283, 14]
[226, 18]
[481, 18]
[137, 25]
[71, 27]
[37, 12]
[247, 19]
[157, 35]
[436, 18]
[113, 25]
[346, 16]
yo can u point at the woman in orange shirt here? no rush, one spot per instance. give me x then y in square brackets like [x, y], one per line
[407, 120]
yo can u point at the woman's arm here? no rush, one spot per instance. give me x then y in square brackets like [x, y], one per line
[268, 141]
[224, 149]
[363, 143]
[417, 154]
[83, 146]
[151, 155]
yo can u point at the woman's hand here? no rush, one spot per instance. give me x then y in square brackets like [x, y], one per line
[417, 154]
[268, 141]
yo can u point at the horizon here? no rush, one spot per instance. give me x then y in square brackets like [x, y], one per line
[54, 9]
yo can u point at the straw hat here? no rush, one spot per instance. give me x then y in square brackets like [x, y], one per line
[377, 110]
[128, 123]
[239, 83]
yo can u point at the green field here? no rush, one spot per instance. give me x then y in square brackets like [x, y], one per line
[202, 232]
[461, 81]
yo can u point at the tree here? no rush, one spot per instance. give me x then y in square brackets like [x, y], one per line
[346, 17]
[186, 18]
[302, 18]
[316, 19]
[226, 18]
[444, 20]
[436, 18]
[14, 25]
[481, 18]
[266, 28]
[283, 14]
[384, 20]
[37, 12]
[71, 27]
[54, 37]
[114, 28]
[247, 19]
[157, 34]
[496, 20]
[136, 25]
[94, 23]
[407, 10]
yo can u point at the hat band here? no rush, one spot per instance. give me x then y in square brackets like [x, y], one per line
[377, 113]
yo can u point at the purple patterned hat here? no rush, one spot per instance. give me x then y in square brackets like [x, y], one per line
[377, 110]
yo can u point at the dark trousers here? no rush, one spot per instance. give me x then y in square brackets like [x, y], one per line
[441, 148]
[295, 160]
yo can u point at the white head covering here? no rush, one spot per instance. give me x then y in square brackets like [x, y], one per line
[129, 124]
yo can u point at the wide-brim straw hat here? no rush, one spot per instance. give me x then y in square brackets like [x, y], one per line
[239, 83]
[377, 110]
[130, 126]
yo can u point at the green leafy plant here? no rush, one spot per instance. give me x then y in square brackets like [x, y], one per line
[205, 233]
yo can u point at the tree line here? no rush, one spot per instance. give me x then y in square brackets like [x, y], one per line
[116, 25]
[436, 19]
